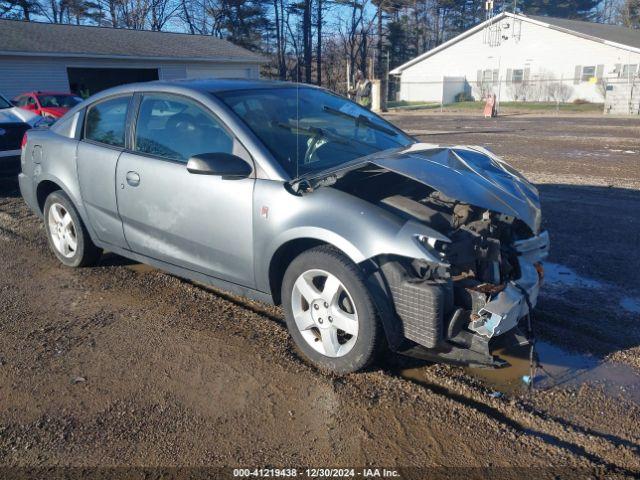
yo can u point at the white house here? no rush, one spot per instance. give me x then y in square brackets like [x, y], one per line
[63, 58]
[526, 58]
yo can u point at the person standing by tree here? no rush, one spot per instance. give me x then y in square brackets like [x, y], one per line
[361, 93]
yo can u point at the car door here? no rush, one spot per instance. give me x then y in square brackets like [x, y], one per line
[199, 222]
[102, 143]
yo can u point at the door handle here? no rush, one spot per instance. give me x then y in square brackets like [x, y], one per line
[133, 179]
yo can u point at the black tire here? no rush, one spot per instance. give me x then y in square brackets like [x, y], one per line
[370, 337]
[86, 252]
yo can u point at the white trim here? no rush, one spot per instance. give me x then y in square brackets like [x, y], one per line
[462, 36]
[134, 57]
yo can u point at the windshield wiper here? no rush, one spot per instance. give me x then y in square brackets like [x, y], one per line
[315, 131]
[360, 120]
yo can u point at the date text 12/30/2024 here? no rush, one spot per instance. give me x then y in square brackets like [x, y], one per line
[315, 473]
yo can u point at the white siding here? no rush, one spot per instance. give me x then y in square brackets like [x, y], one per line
[221, 71]
[20, 74]
[544, 52]
[172, 71]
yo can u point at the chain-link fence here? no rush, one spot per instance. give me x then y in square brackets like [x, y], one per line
[619, 94]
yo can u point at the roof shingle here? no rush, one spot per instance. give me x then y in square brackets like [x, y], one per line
[56, 39]
[613, 33]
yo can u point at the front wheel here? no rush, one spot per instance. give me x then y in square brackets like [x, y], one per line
[329, 311]
[66, 233]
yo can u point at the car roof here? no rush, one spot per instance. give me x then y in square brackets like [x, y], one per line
[186, 86]
[39, 92]
[226, 84]
[205, 85]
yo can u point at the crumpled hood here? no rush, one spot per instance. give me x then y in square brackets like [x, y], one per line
[16, 115]
[472, 175]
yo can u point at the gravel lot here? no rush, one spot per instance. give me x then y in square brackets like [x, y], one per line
[122, 365]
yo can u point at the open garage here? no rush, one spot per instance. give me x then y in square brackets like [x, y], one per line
[85, 60]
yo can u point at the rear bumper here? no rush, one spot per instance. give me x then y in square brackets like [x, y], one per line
[28, 193]
[10, 161]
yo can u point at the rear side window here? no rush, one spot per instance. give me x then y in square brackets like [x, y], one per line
[176, 128]
[106, 121]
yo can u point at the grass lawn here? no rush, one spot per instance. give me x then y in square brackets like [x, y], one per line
[519, 106]
[403, 105]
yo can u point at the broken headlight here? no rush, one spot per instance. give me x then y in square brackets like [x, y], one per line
[433, 245]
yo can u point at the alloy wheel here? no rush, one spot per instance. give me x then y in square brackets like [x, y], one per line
[62, 230]
[324, 313]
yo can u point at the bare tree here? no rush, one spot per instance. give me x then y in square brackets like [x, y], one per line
[630, 13]
[20, 9]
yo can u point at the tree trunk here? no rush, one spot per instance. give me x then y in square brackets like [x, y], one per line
[379, 69]
[187, 17]
[26, 11]
[319, 44]
[306, 40]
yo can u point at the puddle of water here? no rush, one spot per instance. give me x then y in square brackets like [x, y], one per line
[560, 275]
[592, 153]
[630, 304]
[623, 151]
[559, 369]
[557, 275]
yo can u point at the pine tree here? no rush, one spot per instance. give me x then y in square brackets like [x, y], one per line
[576, 9]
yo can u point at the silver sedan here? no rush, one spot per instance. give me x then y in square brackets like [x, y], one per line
[290, 194]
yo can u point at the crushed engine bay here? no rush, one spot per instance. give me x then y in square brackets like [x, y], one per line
[488, 273]
[488, 286]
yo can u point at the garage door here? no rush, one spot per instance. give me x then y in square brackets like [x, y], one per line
[197, 71]
[85, 81]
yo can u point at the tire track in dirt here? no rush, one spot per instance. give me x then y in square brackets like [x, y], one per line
[521, 419]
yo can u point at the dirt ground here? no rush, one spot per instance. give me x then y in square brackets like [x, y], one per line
[122, 365]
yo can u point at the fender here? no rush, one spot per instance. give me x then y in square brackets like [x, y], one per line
[75, 197]
[360, 230]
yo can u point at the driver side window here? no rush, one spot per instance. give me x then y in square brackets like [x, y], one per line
[176, 128]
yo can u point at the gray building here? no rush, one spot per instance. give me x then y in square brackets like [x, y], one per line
[85, 59]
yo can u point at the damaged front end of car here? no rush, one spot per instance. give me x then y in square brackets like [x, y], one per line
[480, 272]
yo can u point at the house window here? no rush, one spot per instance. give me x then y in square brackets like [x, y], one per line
[588, 73]
[629, 71]
[517, 76]
[487, 76]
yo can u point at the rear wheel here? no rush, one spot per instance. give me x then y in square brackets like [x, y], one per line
[329, 311]
[67, 235]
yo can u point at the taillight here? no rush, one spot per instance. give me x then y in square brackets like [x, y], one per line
[24, 140]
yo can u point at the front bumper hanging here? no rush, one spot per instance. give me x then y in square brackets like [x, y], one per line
[442, 331]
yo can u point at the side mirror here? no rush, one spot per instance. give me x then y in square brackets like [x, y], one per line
[225, 165]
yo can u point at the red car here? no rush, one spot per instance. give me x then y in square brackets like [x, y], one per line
[47, 104]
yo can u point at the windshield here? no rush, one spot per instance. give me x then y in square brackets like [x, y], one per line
[4, 103]
[308, 130]
[58, 101]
